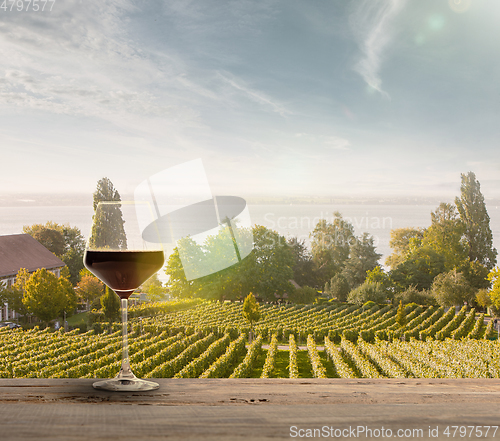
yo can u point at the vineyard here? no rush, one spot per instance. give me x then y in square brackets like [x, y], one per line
[210, 340]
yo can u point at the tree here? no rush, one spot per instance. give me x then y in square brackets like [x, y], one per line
[330, 246]
[154, 288]
[47, 297]
[446, 236]
[68, 292]
[483, 298]
[452, 288]
[74, 249]
[16, 292]
[266, 271]
[3, 294]
[108, 225]
[494, 292]
[378, 275]
[362, 258]
[110, 303]
[251, 311]
[70, 250]
[400, 315]
[105, 192]
[413, 295]
[304, 271]
[50, 238]
[402, 240]
[368, 291]
[90, 288]
[338, 288]
[475, 217]
[476, 274]
[419, 269]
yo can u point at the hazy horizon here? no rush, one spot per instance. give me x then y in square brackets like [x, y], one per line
[81, 199]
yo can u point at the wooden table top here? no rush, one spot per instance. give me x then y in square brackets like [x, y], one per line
[253, 409]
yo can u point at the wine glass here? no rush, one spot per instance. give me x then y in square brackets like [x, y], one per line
[117, 254]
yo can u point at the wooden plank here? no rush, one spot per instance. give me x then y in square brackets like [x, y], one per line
[223, 409]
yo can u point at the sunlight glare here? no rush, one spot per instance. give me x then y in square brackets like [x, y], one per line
[459, 6]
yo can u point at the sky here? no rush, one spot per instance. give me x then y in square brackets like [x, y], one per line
[277, 97]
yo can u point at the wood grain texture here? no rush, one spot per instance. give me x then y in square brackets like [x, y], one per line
[223, 409]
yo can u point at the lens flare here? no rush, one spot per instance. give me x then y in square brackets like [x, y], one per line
[459, 5]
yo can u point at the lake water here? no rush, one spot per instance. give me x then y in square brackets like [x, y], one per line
[289, 220]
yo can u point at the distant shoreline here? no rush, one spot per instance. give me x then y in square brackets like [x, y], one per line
[80, 199]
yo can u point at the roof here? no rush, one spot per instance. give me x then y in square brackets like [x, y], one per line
[22, 251]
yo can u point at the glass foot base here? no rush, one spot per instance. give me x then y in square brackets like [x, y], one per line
[126, 385]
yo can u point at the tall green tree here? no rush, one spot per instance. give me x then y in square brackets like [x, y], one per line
[108, 225]
[475, 217]
[362, 258]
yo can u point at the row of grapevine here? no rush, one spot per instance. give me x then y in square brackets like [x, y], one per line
[341, 367]
[438, 325]
[319, 370]
[183, 343]
[465, 326]
[268, 368]
[293, 367]
[382, 360]
[173, 358]
[200, 362]
[453, 324]
[361, 363]
[222, 367]
[244, 369]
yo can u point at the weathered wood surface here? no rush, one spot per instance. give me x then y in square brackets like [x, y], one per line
[223, 409]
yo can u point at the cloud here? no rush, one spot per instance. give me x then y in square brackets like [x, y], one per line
[371, 23]
[255, 95]
[84, 60]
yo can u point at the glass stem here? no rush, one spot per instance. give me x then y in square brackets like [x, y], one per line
[125, 371]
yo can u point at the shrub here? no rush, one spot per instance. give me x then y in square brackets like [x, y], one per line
[306, 294]
[366, 292]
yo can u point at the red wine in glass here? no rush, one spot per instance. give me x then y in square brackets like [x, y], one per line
[118, 253]
[123, 271]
